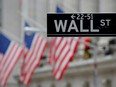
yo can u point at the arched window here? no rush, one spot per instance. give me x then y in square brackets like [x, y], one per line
[39, 85]
[68, 84]
[107, 83]
[86, 84]
[53, 85]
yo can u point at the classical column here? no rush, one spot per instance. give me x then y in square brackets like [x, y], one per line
[52, 5]
[107, 5]
[71, 5]
[89, 5]
[41, 11]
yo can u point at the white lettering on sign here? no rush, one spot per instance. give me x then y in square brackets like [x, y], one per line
[62, 25]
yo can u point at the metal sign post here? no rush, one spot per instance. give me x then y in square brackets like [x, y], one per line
[95, 67]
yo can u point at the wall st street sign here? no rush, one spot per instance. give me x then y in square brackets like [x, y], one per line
[81, 24]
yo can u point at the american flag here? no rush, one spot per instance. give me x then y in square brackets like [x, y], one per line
[59, 10]
[1, 56]
[74, 43]
[35, 46]
[11, 53]
[62, 50]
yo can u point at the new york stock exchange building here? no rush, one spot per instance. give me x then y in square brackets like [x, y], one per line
[86, 69]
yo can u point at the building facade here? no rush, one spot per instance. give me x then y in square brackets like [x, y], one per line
[80, 71]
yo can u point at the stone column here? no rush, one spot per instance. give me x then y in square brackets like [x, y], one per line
[11, 19]
[52, 5]
[41, 11]
[107, 5]
[71, 5]
[89, 5]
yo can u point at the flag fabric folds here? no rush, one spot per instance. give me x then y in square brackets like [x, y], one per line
[10, 54]
[59, 10]
[62, 50]
[35, 46]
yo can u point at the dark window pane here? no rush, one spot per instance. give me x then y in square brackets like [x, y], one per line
[68, 84]
[53, 85]
[86, 84]
[107, 83]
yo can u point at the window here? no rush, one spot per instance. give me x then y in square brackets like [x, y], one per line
[0, 12]
[86, 84]
[53, 85]
[68, 85]
[107, 83]
[44, 61]
[39, 85]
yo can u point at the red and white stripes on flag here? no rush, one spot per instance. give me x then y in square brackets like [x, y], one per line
[9, 61]
[62, 50]
[74, 43]
[33, 58]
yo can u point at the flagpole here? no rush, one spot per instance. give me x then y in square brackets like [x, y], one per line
[95, 68]
[95, 71]
[43, 29]
[24, 10]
